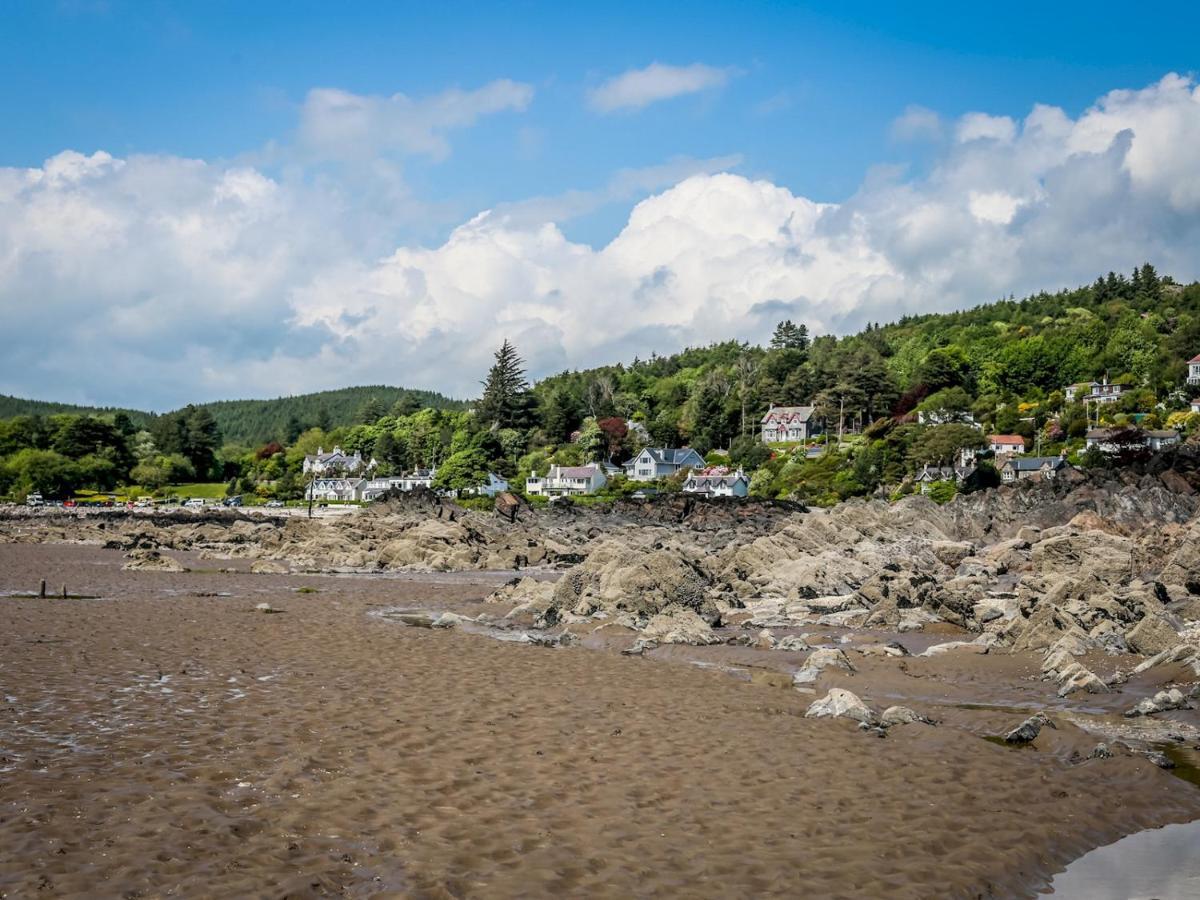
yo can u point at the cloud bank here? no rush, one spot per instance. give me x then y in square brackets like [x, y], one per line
[159, 280]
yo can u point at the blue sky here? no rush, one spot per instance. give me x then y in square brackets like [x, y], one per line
[244, 199]
[816, 85]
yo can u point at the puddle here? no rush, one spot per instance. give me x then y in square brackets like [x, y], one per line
[1160, 863]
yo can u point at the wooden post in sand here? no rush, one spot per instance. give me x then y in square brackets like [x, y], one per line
[64, 592]
[42, 592]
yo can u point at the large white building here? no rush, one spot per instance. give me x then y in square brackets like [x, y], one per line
[377, 487]
[338, 487]
[661, 462]
[566, 481]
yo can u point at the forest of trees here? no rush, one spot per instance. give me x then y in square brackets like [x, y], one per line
[1001, 365]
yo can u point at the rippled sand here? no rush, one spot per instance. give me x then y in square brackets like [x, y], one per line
[158, 743]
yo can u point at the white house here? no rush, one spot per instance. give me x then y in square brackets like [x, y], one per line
[492, 486]
[727, 484]
[565, 481]
[1160, 439]
[1097, 391]
[337, 460]
[1023, 468]
[1195, 405]
[335, 488]
[377, 487]
[1006, 444]
[661, 462]
[787, 424]
[1194, 370]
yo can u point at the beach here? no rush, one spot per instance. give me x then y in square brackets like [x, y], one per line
[170, 739]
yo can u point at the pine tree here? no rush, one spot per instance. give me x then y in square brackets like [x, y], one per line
[789, 336]
[504, 389]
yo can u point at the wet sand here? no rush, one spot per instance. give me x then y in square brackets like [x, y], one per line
[168, 740]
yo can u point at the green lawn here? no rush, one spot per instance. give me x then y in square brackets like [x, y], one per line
[206, 490]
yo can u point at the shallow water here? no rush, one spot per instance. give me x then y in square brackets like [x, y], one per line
[1161, 863]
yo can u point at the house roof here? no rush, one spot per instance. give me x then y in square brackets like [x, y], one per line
[1030, 463]
[718, 480]
[576, 471]
[1195, 359]
[789, 412]
[1163, 433]
[669, 456]
[1006, 439]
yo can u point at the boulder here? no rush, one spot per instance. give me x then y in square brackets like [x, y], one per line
[639, 647]
[1028, 730]
[1152, 635]
[820, 660]
[1163, 701]
[1100, 751]
[152, 561]
[842, 704]
[268, 567]
[902, 715]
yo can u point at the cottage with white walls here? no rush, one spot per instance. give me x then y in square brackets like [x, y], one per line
[338, 488]
[567, 481]
[1194, 371]
[726, 484]
[1006, 444]
[661, 462]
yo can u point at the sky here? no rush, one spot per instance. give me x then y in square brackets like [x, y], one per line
[202, 201]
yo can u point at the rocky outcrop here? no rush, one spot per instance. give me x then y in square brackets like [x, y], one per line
[842, 704]
[152, 561]
[1163, 701]
[679, 625]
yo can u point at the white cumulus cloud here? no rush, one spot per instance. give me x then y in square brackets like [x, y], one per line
[638, 88]
[158, 280]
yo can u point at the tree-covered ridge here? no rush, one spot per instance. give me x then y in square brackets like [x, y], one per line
[17, 406]
[259, 421]
[283, 418]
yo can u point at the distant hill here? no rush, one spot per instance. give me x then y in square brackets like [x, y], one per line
[259, 421]
[16, 406]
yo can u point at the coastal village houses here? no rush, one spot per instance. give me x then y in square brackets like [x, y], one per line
[784, 424]
[661, 462]
[718, 483]
[337, 460]
[567, 481]
[377, 487]
[931, 475]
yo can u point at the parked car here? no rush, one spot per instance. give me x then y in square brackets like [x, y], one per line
[194, 501]
[34, 499]
[232, 501]
[275, 504]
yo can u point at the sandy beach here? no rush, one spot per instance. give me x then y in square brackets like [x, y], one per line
[167, 739]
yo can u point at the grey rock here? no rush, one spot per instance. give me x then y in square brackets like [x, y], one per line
[902, 715]
[1100, 751]
[842, 704]
[1028, 730]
